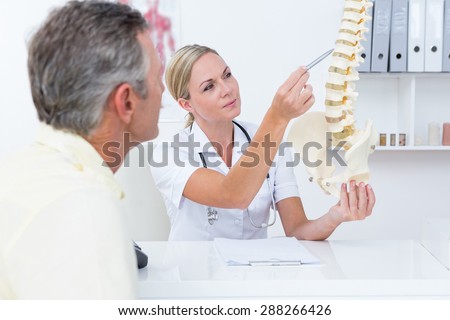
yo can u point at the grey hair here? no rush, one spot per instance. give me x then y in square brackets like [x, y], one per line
[77, 58]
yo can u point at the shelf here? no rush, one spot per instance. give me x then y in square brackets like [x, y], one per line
[412, 148]
[404, 103]
[398, 75]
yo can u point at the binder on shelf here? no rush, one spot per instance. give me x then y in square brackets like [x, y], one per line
[367, 44]
[399, 36]
[380, 35]
[434, 24]
[446, 38]
[416, 35]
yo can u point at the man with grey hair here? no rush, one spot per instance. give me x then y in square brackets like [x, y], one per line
[95, 82]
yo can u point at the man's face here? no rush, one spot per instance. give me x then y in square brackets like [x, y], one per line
[147, 113]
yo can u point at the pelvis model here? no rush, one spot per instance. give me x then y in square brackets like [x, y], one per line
[317, 135]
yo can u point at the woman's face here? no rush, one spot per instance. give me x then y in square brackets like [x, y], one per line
[213, 89]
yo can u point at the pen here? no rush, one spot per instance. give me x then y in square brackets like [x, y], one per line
[316, 61]
[276, 263]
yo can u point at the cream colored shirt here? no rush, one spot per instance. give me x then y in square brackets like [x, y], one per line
[61, 229]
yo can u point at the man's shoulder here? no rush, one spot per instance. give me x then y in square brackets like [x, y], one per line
[43, 173]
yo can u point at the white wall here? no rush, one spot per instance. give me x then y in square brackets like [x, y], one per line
[17, 20]
[263, 41]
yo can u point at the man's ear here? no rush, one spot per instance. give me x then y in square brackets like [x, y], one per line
[185, 104]
[125, 102]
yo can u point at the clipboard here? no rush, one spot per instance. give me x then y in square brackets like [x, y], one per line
[280, 251]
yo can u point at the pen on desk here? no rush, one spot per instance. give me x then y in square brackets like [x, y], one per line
[275, 263]
[319, 59]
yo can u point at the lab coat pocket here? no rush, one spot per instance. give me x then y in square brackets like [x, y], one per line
[227, 225]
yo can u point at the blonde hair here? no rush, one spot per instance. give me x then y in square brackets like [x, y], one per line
[179, 69]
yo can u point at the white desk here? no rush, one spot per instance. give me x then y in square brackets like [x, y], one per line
[353, 269]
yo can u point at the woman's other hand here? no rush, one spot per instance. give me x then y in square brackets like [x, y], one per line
[355, 204]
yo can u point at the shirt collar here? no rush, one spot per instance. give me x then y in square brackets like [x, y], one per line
[79, 152]
[240, 140]
[205, 145]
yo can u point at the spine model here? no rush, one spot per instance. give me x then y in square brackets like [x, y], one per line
[335, 128]
[342, 74]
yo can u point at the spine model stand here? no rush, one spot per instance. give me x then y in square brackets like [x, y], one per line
[317, 135]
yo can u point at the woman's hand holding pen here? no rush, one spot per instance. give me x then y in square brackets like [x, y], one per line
[294, 97]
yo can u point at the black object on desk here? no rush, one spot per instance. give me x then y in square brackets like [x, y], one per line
[141, 257]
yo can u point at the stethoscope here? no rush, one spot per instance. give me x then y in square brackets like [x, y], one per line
[212, 214]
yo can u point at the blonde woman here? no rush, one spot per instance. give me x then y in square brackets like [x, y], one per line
[219, 177]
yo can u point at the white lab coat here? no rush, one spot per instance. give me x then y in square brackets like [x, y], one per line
[173, 165]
